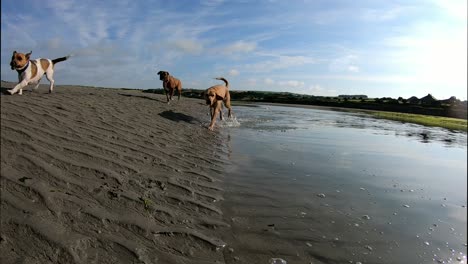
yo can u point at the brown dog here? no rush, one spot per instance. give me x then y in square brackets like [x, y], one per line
[170, 84]
[215, 96]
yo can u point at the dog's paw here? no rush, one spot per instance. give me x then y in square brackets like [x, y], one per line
[10, 91]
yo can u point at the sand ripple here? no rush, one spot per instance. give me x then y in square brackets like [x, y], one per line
[92, 175]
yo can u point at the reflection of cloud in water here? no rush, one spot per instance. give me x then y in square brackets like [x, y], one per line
[363, 166]
[275, 118]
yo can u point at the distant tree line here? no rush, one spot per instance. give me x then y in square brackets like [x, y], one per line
[428, 105]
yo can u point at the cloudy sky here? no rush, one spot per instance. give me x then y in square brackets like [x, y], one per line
[319, 47]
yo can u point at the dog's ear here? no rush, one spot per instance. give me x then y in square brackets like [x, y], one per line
[28, 55]
[159, 73]
[14, 52]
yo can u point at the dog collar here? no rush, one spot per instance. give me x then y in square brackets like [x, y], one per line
[20, 71]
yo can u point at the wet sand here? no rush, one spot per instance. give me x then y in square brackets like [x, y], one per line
[334, 187]
[99, 175]
[94, 175]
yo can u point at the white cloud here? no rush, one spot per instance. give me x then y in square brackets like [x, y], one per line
[280, 62]
[443, 60]
[212, 3]
[345, 63]
[252, 82]
[268, 81]
[455, 8]
[350, 14]
[377, 15]
[190, 46]
[353, 68]
[291, 83]
[98, 51]
[318, 90]
[233, 72]
[12, 29]
[194, 84]
[239, 47]
[328, 17]
[431, 54]
[403, 41]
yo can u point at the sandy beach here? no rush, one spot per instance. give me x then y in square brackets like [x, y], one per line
[93, 175]
[104, 175]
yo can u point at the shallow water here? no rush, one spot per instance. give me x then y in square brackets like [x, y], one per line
[320, 186]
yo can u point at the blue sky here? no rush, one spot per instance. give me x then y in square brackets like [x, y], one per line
[330, 47]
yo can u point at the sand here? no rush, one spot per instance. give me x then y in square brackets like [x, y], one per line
[98, 175]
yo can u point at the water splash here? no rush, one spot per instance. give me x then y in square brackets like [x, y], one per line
[277, 261]
[230, 122]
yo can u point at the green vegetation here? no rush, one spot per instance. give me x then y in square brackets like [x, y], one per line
[426, 110]
[146, 202]
[437, 121]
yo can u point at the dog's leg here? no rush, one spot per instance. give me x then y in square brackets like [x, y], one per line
[229, 112]
[19, 87]
[50, 77]
[221, 112]
[215, 112]
[165, 91]
[227, 103]
[211, 112]
[36, 86]
[171, 93]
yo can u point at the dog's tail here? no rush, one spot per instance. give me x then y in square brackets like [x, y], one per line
[54, 61]
[224, 80]
[227, 99]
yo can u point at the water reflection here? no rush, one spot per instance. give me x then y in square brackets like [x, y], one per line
[337, 187]
[272, 118]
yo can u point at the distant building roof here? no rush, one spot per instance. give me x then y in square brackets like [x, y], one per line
[428, 99]
[352, 95]
[413, 100]
[450, 100]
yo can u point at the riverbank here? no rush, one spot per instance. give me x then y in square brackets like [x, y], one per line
[456, 124]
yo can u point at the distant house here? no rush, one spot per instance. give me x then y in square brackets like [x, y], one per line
[428, 100]
[452, 100]
[413, 100]
[360, 96]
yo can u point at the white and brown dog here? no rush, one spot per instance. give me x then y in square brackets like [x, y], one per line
[31, 71]
[215, 96]
[170, 84]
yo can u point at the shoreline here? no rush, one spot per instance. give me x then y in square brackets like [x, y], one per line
[97, 175]
[455, 124]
